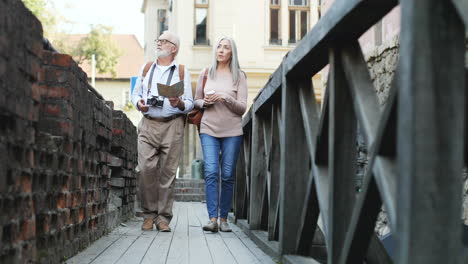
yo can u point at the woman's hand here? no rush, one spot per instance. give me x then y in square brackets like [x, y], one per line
[207, 102]
[217, 97]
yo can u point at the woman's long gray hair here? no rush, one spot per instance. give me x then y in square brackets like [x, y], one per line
[233, 65]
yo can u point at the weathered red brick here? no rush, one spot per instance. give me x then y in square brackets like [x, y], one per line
[51, 109]
[61, 202]
[25, 183]
[81, 215]
[116, 132]
[56, 59]
[55, 92]
[64, 60]
[36, 92]
[66, 128]
[28, 229]
[69, 199]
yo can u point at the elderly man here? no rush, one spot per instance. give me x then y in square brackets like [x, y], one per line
[160, 132]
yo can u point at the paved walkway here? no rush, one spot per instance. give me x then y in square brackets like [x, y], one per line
[187, 243]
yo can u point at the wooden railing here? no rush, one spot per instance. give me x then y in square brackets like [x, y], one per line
[298, 164]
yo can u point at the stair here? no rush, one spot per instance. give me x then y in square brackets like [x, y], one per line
[189, 190]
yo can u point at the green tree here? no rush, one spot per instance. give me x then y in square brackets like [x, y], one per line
[41, 9]
[99, 42]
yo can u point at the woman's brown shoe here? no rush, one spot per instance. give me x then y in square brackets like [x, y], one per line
[147, 224]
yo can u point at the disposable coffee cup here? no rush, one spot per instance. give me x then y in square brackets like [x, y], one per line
[209, 93]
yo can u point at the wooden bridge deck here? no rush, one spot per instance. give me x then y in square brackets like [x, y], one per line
[187, 243]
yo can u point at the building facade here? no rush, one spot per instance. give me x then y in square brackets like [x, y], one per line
[264, 30]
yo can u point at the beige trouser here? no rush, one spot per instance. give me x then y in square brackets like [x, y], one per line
[158, 142]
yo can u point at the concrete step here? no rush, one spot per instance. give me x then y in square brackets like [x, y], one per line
[187, 197]
[193, 183]
[189, 190]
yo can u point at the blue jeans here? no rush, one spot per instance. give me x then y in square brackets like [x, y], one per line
[215, 150]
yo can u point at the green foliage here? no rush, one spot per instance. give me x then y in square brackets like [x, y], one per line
[41, 9]
[98, 42]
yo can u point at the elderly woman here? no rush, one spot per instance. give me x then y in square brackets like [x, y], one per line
[223, 98]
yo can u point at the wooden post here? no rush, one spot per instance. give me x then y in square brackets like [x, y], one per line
[294, 174]
[342, 156]
[430, 133]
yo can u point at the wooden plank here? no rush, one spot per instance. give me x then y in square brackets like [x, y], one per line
[240, 185]
[293, 171]
[462, 8]
[362, 224]
[99, 246]
[383, 154]
[381, 168]
[466, 116]
[253, 248]
[220, 253]
[369, 115]
[94, 250]
[198, 246]
[366, 103]
[257, 172]
[159, 248]
[179, 247]
[240, 252]
[247, 118]
[321, 149]
[137, 250]
[320, 158]
[260, 238]
[430, 132]
[274, 195]
[113, 253]
[272, 87]
[342, 157]
[311, 210]
[310, 214]
[247, 142]
[294, 259]
[343, 21]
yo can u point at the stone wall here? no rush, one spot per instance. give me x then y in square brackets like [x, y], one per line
[64, 150]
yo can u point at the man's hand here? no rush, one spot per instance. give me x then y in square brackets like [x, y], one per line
[142, 106]
[176, 102]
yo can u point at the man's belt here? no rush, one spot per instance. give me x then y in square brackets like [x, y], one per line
[163, 119]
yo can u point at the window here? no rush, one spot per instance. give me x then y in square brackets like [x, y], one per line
[299, 3]
[298, 19]
[201, 17]
[275, 22]
[162, 21]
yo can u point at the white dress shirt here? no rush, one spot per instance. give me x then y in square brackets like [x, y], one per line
[161, 74]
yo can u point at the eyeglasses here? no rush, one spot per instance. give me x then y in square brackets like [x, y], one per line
[163, 41]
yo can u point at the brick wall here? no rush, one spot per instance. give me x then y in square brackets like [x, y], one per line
[62, 150]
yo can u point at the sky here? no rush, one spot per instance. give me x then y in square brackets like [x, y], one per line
[124, 16]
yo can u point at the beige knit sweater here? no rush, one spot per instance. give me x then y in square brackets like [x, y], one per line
[223, 119]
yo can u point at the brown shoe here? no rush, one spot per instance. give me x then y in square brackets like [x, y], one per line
[147, 224]
[163, 227]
